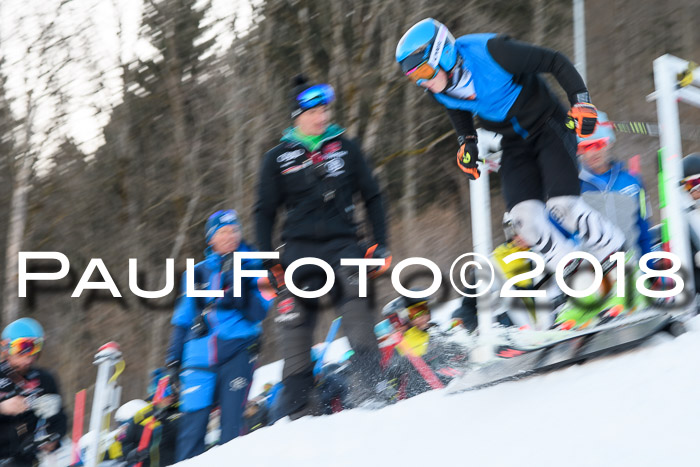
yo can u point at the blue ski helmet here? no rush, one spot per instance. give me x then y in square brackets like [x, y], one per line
[427, 42]
[156, 376]
[23, 327]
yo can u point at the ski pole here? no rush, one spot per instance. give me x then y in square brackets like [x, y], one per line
[419, 364]
[148, 430]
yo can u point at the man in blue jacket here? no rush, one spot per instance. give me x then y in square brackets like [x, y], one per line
[612, 190]
[214, 340]
[496, 79]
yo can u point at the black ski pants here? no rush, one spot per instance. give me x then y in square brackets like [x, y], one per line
[298, 320]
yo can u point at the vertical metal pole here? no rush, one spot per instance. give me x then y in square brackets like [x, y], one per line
[483, 244]
[580, 38]
[665, 69]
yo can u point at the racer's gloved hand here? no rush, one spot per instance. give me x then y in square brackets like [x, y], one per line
[583, 116]
[467, 156]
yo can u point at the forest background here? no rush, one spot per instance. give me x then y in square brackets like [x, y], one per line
[188, 122]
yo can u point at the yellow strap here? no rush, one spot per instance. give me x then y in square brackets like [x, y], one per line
[685, 78]
[115, 450]
[118, 369]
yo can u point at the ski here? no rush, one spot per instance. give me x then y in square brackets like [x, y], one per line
[517, 361]
[78, 420]
[105, 399]
[332, 331]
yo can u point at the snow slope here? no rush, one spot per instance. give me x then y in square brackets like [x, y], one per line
[639, 408]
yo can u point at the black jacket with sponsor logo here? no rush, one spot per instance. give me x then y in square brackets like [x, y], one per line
[17, 432]
[317, 190]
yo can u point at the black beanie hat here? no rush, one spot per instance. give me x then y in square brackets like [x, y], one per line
[300, 83]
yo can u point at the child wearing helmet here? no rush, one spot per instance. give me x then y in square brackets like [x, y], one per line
[610, 189]
[496, 79]
[411, 318]
[163, 415]
[31, 417]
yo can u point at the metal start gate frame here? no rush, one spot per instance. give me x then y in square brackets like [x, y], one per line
[676, 80]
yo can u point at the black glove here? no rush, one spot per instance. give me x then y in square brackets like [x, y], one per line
[136, 456]
[27, 446]
[239, 303]
[172, 369]
[468, 155]
[583, 116]
[255, 348]
[275, 274]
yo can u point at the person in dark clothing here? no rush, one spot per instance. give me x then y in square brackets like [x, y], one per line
[496, 79]
[314, 173]
[163, 417]
[31, 416]
[411, 319]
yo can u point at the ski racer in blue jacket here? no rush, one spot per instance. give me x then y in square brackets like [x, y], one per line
[612, 190]
[496, 79]
[215, 340]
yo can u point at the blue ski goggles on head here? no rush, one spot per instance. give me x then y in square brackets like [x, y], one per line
[319, 94]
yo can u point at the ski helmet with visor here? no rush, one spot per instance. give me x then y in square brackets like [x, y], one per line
[24, 336]
[424, 49]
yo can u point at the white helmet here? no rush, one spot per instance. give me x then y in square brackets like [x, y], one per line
[127, 411]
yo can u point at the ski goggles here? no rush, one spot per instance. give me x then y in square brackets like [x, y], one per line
[595, 145]
[418, 68]
[423, 71]
[418, 310]
[26, 346]
[319, 94]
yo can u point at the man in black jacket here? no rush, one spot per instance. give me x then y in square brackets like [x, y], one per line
[314, 173]
[31, 416]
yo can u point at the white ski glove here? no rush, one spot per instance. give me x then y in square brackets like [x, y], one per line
[46, 406]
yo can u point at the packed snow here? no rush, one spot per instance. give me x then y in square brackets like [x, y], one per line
[638, 408]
